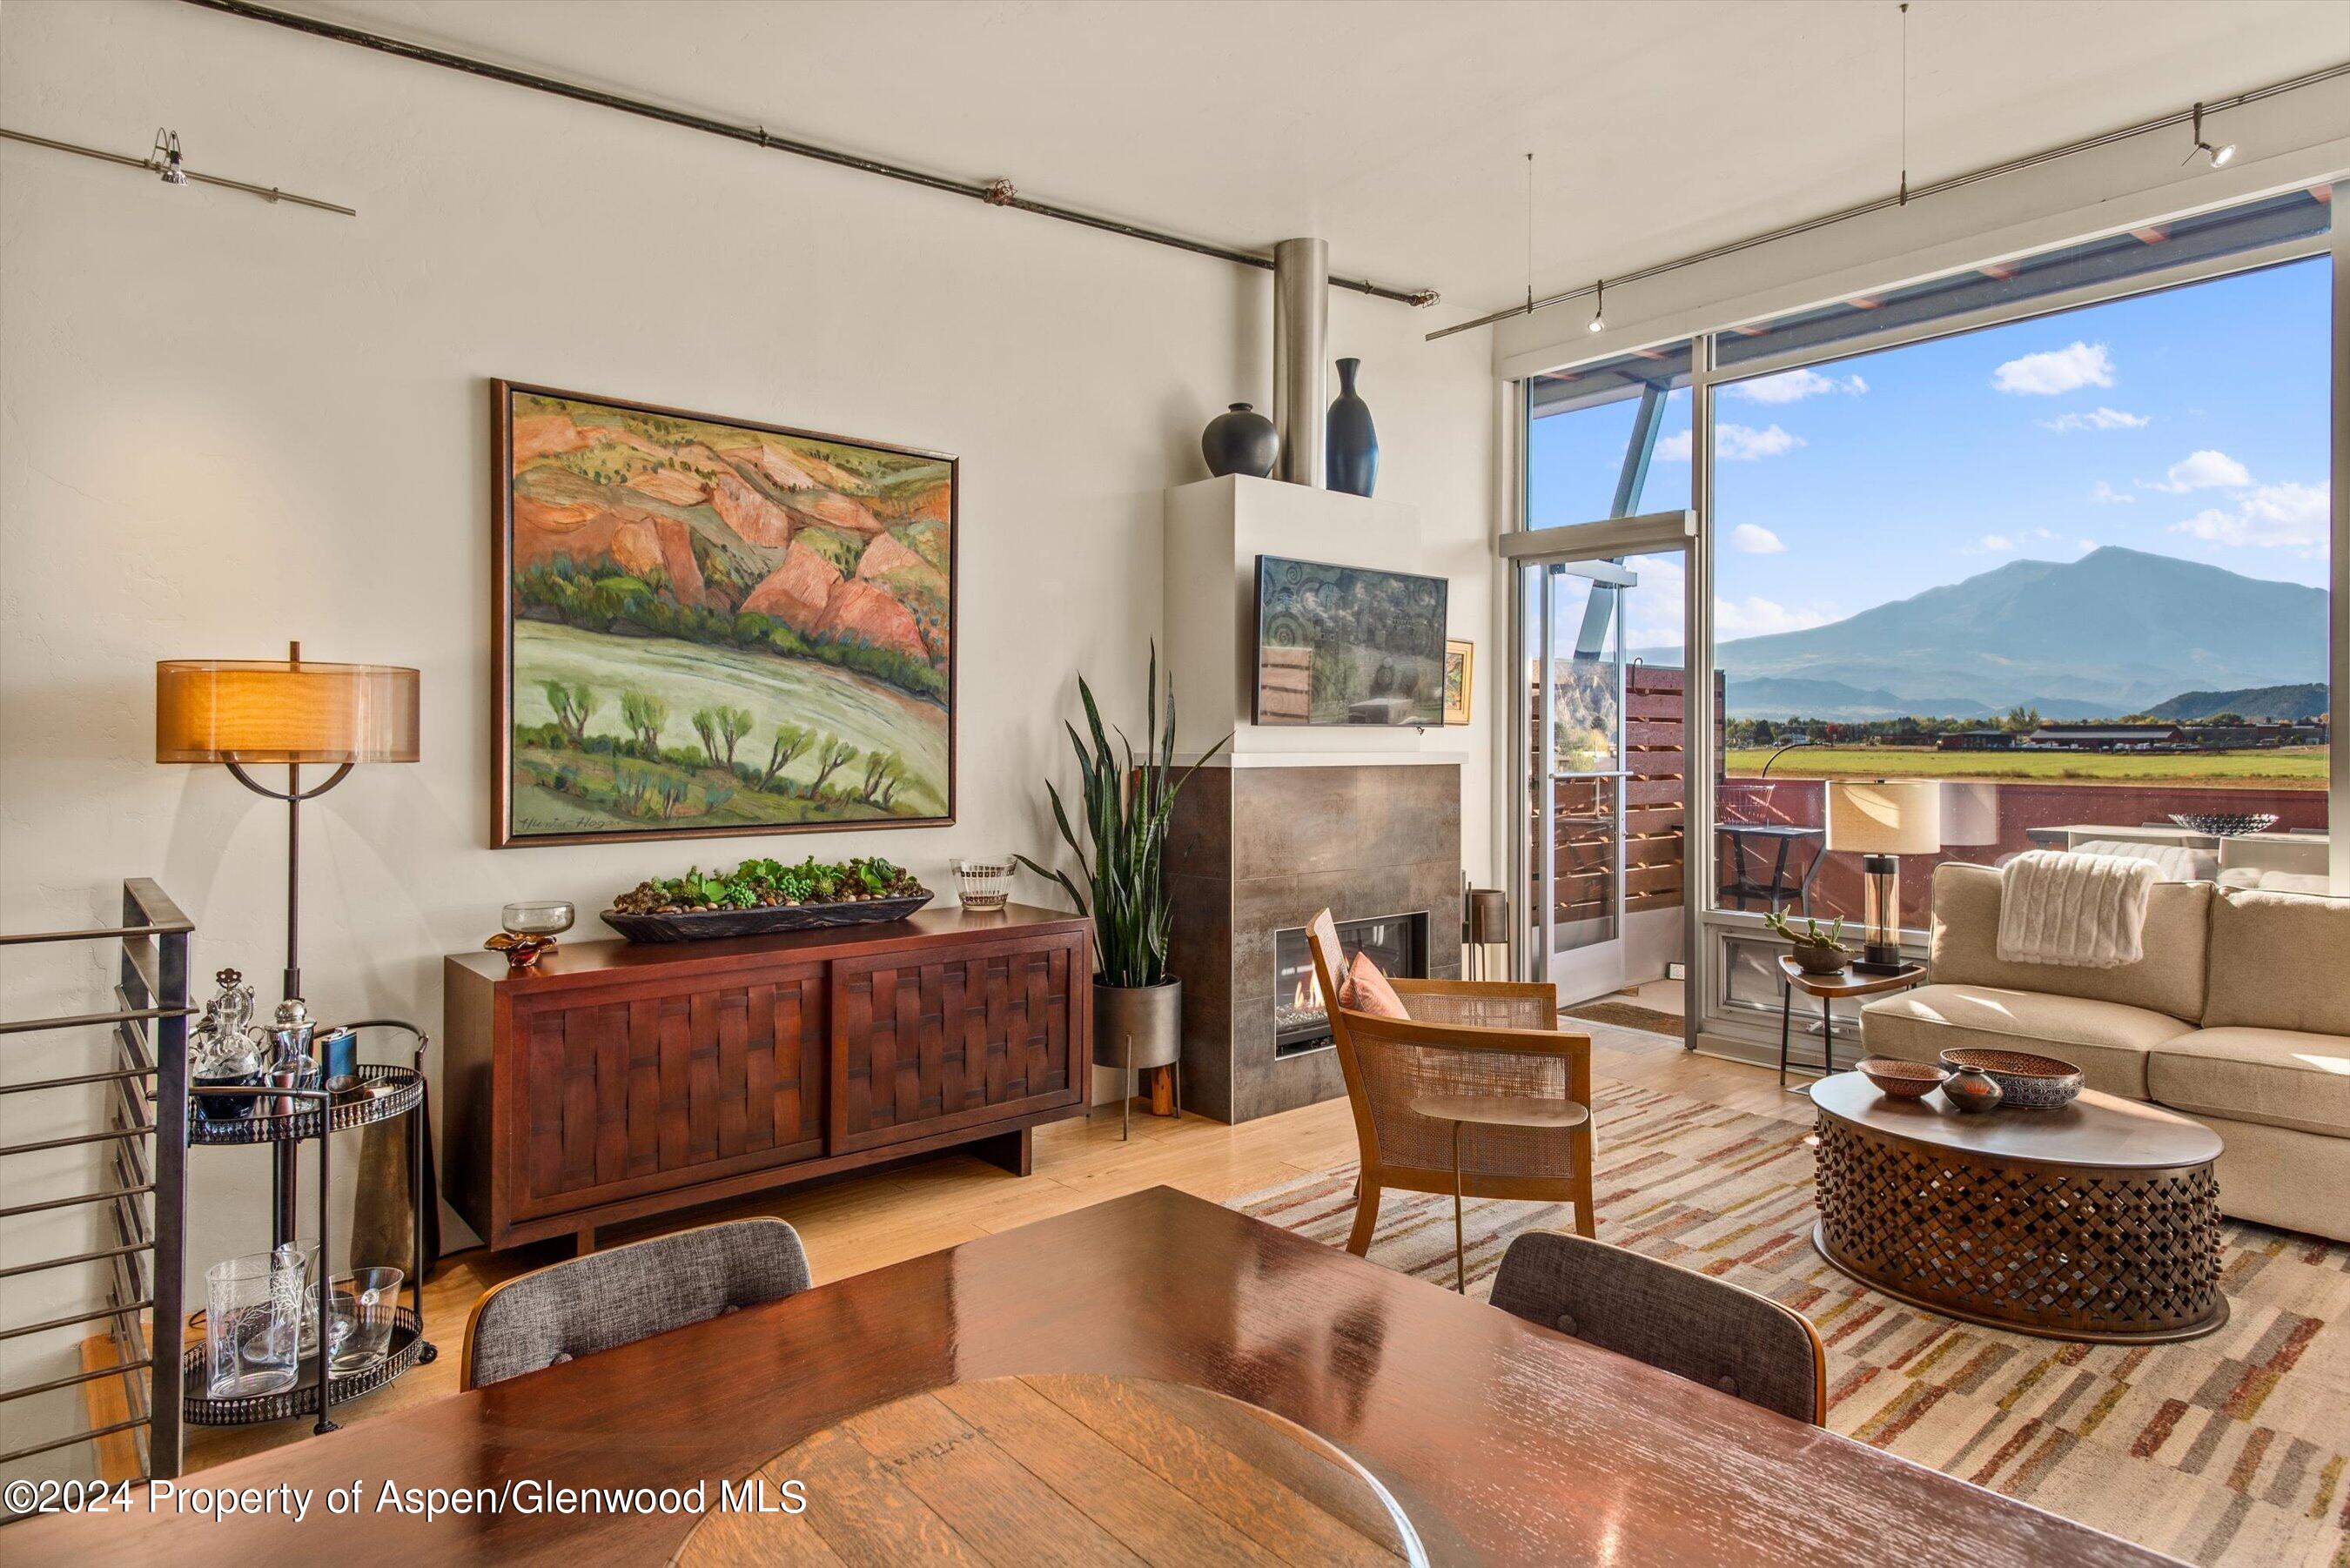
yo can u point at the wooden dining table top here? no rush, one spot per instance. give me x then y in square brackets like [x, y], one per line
[1502, 1441]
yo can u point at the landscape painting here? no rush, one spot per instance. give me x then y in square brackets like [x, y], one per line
[714, 626]
[1347, 645]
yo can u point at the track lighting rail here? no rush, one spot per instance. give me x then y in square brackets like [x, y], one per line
[994, 193]
[168, 167]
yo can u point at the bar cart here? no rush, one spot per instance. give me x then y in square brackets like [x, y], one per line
[285, 1119]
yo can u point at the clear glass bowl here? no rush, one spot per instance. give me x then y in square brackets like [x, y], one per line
[545, 918]
[984, 883]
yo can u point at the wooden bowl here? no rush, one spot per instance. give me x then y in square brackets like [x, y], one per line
[2027, 1080]
[1902, 1080]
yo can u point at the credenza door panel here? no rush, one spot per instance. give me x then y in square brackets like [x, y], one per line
[629, 1090]
[931, 1042]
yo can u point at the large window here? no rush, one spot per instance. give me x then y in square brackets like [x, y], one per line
[2052, 531]
[2076, 565]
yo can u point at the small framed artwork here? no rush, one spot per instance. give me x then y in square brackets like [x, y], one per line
[1459, 678]
[707, 626]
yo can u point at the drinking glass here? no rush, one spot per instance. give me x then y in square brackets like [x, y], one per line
[253, 1323]
[365, 1306]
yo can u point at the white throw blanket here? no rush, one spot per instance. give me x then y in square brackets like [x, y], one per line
[2088, 912]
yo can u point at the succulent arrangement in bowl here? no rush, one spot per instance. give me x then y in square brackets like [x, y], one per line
[1816, 952]
[762, 895]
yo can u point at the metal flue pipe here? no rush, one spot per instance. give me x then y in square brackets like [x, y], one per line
[1301, 376]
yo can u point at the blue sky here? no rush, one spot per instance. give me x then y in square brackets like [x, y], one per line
[2190, 422]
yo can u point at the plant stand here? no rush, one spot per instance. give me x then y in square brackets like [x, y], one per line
[392, 1091]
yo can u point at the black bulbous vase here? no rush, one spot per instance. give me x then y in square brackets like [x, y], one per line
[1352, 444]
[1240, 441]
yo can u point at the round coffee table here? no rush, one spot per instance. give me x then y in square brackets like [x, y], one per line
[2098, 1222]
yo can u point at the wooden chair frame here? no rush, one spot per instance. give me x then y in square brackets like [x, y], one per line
[1352, 1031]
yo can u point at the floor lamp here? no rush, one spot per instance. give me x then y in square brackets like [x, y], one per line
[248, 713]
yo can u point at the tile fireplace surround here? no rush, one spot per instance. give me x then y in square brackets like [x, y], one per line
[1256, 850]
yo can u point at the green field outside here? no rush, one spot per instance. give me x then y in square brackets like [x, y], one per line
[2288, 767]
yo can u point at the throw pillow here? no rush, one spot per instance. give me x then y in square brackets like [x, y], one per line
[1365, 990]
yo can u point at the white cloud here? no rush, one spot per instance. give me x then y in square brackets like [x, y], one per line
[2056, 371]
[2098, 418]
[2204, 470]
[1759, 616]
[2110, 496]
[1731, 443]
[1794, 386]
[1751, 540]
[1990, 544]
[2085, 544]
[2273, 516]
[1744, 443]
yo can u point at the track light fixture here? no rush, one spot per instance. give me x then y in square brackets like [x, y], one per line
[165, 158]
[2219, 155]
[1599, 305]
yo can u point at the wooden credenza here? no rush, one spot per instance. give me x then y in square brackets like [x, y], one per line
[620, 1080]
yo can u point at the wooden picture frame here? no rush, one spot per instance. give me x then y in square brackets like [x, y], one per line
[690, 597]
[1460, 679]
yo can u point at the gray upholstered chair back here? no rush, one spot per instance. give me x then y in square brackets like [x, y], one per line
[614, 1298]
[1690, 1324]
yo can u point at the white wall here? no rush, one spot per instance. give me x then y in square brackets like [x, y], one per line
[225, 423]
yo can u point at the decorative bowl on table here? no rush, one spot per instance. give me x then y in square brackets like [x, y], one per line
[1902, 1080]
[2225, 824]
[1812, 958]
[2027, 1081]
[760, 898]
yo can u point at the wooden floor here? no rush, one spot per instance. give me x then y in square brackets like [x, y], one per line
[872, 1219]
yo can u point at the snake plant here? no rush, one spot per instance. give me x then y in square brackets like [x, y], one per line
[1125, 807]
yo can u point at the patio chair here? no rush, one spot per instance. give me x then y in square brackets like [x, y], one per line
[1494, 1038]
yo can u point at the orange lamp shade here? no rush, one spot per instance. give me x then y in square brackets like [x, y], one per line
[280, 710]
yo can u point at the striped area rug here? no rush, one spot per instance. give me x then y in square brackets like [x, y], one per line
[2226, 1450]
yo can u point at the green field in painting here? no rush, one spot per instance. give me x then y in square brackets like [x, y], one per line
[864, 713]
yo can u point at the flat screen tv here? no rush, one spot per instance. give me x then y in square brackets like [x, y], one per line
[1347, 645]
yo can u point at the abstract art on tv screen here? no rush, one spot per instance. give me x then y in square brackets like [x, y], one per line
[707, 626]
[1347, 645]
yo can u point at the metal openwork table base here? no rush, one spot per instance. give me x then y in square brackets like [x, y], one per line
[2100, 1253]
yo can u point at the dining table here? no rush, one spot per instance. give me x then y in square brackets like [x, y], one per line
[1497, 1440]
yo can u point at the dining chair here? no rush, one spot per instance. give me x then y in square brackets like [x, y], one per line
[613, 1298]
[1690, 1324]
[1497, 1038]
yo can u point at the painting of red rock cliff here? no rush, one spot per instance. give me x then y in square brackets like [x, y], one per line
[709, 626]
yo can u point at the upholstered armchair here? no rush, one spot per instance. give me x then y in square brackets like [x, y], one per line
[1493, 1038]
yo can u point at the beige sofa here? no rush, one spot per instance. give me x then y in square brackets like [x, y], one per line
[2238, 1015]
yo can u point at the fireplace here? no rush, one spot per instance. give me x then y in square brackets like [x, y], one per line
[1397, 944]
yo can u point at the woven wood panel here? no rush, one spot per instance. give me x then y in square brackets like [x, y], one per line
[926, 1047]
[634, 1093]
[2078, 1253]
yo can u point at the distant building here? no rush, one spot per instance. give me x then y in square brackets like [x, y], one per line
[2107, 737]
[1977, 740]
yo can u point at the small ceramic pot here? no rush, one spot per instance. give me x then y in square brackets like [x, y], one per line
[1814, 960]
[1972, 1089]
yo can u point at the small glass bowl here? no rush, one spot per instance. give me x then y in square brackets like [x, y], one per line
[543, 918]
[984, 884]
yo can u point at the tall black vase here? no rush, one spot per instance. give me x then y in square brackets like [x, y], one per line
[1353, 443]
[1240, 441]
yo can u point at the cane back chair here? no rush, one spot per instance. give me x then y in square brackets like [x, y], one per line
[1498, 1038]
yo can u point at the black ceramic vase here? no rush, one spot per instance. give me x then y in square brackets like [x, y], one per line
[1240, 441]
[1352, 444]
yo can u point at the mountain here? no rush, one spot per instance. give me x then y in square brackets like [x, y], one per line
[2108, 634]
[2297, 702]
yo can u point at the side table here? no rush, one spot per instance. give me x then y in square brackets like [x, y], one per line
[1831, 989]
[1492, 1111]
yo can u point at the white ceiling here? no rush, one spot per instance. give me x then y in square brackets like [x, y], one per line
[1398, 129]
